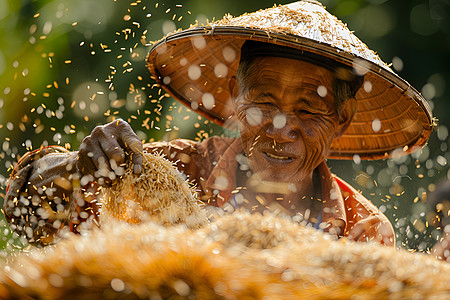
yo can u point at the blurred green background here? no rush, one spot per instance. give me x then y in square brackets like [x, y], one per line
[69, 65]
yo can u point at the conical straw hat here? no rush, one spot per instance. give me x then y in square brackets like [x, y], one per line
[194, 66]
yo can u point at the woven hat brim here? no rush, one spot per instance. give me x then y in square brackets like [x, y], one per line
[391, 114]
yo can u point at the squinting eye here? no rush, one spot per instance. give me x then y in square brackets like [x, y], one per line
[266, 105]
[303, 112]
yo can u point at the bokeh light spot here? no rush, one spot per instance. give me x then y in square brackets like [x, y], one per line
[208, 101]
[194, 72]
[168, 27]
[279, 121]
[421, 21]
[220, 70]
[367, 86]
[376, 125]
[322, 91]
[253, 116]
[397, 63]
[229, 54]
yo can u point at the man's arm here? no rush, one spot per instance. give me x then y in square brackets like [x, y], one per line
[37, 193]
[40, 196]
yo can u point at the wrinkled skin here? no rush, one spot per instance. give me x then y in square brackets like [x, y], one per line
[288, 122]
[104, 151]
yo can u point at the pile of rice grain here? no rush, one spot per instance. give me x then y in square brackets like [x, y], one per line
[159, 194]
[235, 257]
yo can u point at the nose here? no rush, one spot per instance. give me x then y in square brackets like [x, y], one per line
[282, 129]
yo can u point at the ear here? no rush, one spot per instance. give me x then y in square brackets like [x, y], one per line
[233, 87]
[347, 111]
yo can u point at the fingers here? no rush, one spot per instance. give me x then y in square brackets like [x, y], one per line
[357, 233]
[133, 145]
[114, 152]
[136, 156]
[441, 250]
[104, 161]
[336, 227]
[103, 153]
[86, 154]
[372, 229]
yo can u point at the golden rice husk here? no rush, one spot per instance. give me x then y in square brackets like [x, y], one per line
[159, 194]
[238, 256]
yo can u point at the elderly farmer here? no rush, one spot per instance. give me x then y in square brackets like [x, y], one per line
[301, 87]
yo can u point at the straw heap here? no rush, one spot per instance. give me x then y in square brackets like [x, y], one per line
[239, 256]
[159, 194]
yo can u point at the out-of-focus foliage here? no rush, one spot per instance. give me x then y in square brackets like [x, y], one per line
[67, 66]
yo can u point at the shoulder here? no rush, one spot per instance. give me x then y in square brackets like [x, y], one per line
[216, 144]
[365, 222]
[210, 145]
[355, 199]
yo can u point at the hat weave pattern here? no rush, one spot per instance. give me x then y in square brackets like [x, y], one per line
[306, 19]
[194, 66]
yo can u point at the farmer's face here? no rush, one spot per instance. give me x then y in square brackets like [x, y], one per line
[288, 118]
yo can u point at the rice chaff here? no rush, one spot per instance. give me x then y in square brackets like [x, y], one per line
[159, 194]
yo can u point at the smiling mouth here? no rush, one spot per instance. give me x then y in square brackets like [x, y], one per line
[280, 157]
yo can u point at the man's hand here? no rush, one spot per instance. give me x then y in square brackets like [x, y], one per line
[372, 228]
[442, 249]
[103, 153]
